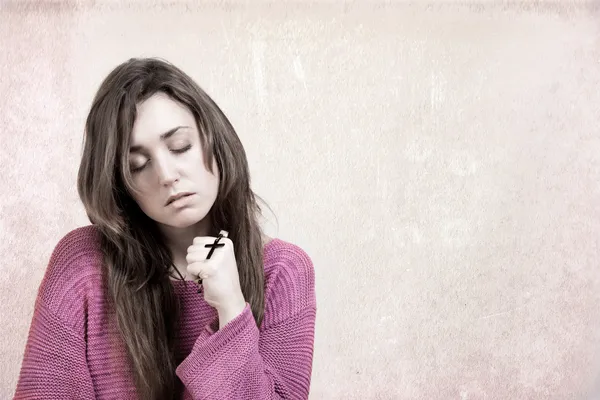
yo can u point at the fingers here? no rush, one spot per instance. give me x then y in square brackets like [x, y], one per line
[202, 245]
[195, 256]
[203, 240]
[202, 269]
[201, 249]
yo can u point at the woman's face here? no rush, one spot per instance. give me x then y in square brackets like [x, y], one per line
[165, 159]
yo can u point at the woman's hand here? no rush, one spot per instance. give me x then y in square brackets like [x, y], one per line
[219, 276]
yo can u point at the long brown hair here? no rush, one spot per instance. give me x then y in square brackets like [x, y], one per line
[137, 261]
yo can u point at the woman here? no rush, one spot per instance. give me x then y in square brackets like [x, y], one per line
[133, 306]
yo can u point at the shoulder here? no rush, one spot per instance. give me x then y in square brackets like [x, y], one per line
[80, 242]
[74, 269]
[75, 251]
[289, 280]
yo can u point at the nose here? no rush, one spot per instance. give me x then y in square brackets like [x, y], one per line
[166, 171]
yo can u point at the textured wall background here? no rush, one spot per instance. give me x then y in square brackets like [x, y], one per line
[440, 163]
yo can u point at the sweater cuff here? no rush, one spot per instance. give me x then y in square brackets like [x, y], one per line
[217, 350]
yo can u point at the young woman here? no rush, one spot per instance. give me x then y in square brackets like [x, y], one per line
[173, 291]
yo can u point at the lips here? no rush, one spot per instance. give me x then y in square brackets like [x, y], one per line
[177, 197]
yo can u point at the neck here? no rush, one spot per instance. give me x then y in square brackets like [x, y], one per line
[179, 239]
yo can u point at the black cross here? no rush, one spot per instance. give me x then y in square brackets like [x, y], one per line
[212, 248]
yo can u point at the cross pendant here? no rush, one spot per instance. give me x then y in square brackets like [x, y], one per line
[212, 247]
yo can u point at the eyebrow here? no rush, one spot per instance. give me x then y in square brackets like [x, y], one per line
[163, 137]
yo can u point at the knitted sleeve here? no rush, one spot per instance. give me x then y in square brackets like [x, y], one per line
[54, 364]
[242, 362]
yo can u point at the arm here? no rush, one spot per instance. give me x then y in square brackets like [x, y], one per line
[54, 365]
[242, 362]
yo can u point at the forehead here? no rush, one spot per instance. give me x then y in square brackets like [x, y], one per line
[157, 115]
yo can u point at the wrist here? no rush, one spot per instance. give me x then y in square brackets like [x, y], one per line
[229, 313]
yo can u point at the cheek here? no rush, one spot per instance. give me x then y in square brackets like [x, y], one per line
[207, 180]
[142, 182]
[143, 197]
[214, 185]
[211, 181]
[213, 177]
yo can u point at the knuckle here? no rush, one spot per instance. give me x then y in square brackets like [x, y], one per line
[194, 267]
[198, 240]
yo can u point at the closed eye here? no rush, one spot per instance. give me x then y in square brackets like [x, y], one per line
[138, 169]
[176, 151]
[182, 150]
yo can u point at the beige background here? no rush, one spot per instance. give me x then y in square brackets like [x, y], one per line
[440, 163]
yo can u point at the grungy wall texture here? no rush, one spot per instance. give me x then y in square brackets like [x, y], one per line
[439, 162]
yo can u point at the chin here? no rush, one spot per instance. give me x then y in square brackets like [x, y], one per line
[185, 219]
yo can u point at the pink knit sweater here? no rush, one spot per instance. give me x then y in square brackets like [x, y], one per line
[74, 350]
